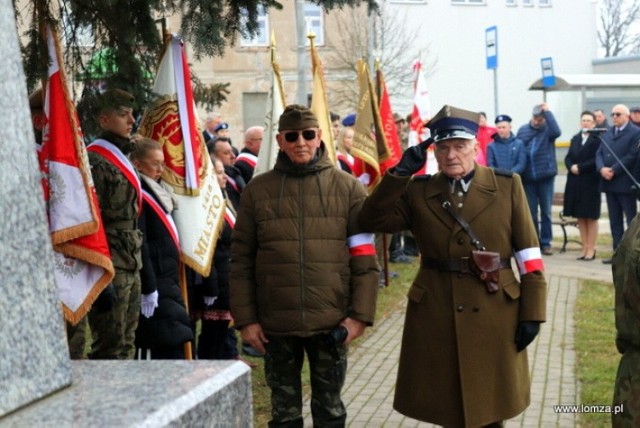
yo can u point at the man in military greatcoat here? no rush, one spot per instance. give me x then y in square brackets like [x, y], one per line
[469, 318]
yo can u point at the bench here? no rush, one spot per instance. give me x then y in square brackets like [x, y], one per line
[563, 222]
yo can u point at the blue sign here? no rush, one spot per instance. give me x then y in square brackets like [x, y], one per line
[548, 78]
[491, 38]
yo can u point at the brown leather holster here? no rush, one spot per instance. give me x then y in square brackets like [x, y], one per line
[486, 266]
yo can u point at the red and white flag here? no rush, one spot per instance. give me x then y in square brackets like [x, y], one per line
[420, 115]
[171, 120]
[83, 265]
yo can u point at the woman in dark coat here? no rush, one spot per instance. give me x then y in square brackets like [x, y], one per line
[210, 302]
[582, 193]
[162, 331]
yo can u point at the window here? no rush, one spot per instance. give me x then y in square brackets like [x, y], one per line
[544, 3]
[262, 36]
[314, 18]
[511, 2]
[469, 2]
[410, 1]
[528, 3]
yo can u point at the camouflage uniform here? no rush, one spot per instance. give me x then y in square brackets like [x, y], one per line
[626, 279]
[283, 362]
[77, 339]
[113, 330]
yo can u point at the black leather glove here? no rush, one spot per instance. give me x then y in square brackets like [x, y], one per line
[413, 159]
[106, 299]
[525, 333]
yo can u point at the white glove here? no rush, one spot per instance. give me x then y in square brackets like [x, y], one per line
[148, 303]
[208, 300]
[365, 178]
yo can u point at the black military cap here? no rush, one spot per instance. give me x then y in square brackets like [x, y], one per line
[503, 118]
[452, 122]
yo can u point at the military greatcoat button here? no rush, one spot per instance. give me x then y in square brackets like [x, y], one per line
[461, 275]
[460, 241]
[460, 308]
[476, 309]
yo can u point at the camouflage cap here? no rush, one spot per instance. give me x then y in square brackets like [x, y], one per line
[114, 99]
[295, 117]
[452, 122]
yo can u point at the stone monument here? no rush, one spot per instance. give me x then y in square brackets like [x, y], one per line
[34, 359]
[39, 385]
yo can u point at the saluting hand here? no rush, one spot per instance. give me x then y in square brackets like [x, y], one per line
[413, 159]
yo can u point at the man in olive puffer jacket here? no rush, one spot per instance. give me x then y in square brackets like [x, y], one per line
[303, 272]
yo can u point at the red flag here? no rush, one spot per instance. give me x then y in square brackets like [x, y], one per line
[170, 120]
[82, 260]
[388, 125]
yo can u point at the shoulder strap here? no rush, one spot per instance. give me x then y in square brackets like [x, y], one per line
[474, 238]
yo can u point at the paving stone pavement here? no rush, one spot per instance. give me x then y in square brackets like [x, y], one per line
[371, 376]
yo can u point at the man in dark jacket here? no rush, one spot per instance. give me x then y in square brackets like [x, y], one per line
[303, 274]
[622, 139]
[539, 138]
[506, 151]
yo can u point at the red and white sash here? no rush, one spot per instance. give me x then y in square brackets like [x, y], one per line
[248, 158]
[113, 154]
[164, 216]
[230, 217]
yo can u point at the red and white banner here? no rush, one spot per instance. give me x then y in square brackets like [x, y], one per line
[83, 265]
[170, 120]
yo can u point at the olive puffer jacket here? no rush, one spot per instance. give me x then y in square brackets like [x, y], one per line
[291, 266]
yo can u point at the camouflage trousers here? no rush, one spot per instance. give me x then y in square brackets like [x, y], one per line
[77, 339]
[327, 366]
[113, 332]
[627, 391]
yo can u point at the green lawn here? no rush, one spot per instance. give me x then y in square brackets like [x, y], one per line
[597, 357]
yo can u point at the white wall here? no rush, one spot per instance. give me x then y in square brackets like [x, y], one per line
[565, 31]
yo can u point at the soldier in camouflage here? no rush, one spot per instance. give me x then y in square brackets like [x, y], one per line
[626, 280]
[114, 316]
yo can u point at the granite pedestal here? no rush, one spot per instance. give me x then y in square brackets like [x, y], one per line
[146, 394]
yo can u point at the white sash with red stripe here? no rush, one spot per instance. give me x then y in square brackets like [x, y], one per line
[248, 158]
[230, 217]
[164, 216]
[114, 155]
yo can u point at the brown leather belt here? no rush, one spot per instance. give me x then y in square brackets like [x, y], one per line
[456, 265]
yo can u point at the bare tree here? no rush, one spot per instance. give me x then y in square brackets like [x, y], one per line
[617, 20]
[383, 37]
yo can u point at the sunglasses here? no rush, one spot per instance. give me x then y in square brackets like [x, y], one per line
[292, 136]
[616, 114]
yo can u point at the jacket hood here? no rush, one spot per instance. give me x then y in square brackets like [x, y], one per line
[319, 162]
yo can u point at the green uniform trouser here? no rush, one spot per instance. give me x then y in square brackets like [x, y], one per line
[327, 366]
[114, 331]
[626, 395]
[77, 339]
